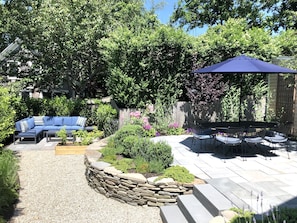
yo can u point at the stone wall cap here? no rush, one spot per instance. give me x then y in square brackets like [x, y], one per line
[151, 180]
[100, 165]
[137, 177]
[165, 181]
[113, 171]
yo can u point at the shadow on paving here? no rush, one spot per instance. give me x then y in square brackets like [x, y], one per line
[221, 151]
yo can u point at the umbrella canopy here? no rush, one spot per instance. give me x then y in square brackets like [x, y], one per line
[244, 64]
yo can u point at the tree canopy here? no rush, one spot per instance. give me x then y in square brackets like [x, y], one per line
[274, 15]
[118, 48]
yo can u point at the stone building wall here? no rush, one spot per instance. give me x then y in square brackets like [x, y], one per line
[132, 188]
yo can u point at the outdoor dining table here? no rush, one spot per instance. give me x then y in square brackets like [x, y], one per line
[234, 134]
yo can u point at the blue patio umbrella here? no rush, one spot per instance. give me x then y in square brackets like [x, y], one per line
[244, 64]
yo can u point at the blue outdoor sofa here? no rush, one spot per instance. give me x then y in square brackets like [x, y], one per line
[34, 127]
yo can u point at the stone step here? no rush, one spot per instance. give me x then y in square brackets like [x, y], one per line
[233, 191]
[193, 210]
[211, 198]
[172, 214]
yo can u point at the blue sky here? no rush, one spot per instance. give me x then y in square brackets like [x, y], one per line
[165, 13]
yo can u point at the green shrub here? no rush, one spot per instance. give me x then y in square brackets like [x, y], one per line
[242, 216]
[104, 114]
[151, 132]
[110, 127]
[130, 146]
[61, 106]
[275, 215]
[159, 151]
[283, 214]
[175, 131]
[127, 130]
[124, 164]
[179, 174]
[8, 180]
[141, 165]
[7, 115]
[156, 166]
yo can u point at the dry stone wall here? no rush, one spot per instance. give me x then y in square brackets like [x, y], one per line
[132, 188]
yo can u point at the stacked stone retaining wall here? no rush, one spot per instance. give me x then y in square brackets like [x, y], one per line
[132, 188]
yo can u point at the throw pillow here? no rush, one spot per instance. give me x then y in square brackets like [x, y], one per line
[38, 120]
[24, 126]
[81, 121]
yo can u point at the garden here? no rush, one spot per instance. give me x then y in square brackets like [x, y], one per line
[69, 59]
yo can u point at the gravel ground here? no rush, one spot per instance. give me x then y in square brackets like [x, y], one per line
[54, 189]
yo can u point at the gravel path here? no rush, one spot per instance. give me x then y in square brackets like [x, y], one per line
[54, 189]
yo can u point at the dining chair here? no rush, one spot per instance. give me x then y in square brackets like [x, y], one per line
[230, 138]
[277, 140]
[202, 136]
[253, 138]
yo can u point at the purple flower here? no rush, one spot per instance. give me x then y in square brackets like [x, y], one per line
[189, 130]
[158, 134]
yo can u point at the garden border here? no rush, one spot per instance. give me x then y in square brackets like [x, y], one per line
[132, 188]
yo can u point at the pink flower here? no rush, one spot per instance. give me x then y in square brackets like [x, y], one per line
[147, 126]
[173, 125]
[145, 120]
[136, 114]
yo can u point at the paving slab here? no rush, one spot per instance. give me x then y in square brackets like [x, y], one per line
[258, 183]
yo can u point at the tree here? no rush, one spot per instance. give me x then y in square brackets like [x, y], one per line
[282, 15]
[198, 13]
[147, 64]
[274, 15]
[63, 37]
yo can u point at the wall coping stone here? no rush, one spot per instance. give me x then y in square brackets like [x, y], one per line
[139, 178]
[100, 165]
[112, 171]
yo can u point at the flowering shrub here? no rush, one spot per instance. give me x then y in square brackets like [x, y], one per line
[174, 129]
[136, 118]
[151, 130]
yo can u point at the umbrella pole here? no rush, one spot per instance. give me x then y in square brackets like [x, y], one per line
[240, 98]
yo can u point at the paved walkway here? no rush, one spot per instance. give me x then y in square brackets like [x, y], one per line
[258, 182]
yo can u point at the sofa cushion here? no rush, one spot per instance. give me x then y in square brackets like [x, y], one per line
[51, 127]
[38, 120]
[58, 121]
[48, 120]
[68, 121]
[73, 127]
[81, 121]
[31, 123]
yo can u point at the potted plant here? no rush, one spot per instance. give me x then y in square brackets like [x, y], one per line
[83, 137]
[62, 133]
[82, 140]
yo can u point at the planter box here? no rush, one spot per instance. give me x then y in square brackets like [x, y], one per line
[70, 149]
